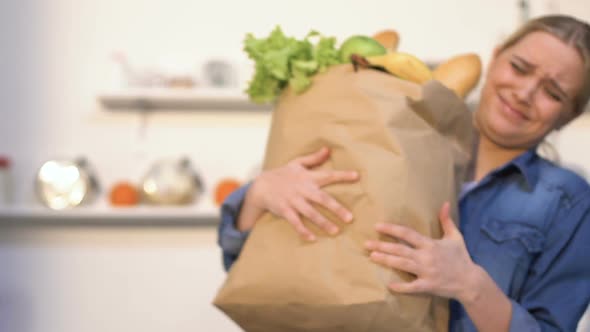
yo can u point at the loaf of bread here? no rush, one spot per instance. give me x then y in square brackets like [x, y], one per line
[460, 73]
[388, 38]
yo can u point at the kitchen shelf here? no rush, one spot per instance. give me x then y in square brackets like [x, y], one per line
[178, 99]
[107, 215]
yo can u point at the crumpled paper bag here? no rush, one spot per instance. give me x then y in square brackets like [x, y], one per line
[411, 144]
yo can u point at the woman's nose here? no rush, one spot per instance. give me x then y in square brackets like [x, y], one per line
[525, 91]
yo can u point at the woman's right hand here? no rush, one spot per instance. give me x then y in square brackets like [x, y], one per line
[289, 191]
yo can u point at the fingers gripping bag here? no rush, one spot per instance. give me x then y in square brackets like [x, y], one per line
[410, 144]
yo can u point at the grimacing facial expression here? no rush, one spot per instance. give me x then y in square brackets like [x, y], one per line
[529, 90]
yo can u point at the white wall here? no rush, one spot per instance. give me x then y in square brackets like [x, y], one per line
[97, 278]
[55, 59]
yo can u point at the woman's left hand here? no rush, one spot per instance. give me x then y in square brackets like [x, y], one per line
[442, 267]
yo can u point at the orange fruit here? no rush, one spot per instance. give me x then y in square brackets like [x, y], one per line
[124, 194]
[224, 188]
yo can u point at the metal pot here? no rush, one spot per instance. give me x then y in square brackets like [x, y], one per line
[62, 184]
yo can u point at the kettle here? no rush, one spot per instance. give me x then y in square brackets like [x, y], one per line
[171, 182]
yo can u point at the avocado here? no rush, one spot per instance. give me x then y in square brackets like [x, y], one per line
[361, 45]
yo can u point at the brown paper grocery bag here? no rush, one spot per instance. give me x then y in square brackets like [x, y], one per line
[411, 144]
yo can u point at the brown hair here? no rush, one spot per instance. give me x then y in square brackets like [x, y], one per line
[571, 31]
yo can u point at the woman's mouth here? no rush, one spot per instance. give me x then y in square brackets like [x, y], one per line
[512, 113]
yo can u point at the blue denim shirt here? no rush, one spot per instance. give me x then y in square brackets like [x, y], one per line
[527, 224]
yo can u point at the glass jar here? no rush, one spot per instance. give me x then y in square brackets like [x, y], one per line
[5, 182]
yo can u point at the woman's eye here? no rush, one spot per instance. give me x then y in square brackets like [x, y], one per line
[554, 95]
[518, 68]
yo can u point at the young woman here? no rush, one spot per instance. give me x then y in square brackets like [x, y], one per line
[518, 261]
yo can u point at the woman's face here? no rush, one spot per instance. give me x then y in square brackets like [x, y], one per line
[529, 91]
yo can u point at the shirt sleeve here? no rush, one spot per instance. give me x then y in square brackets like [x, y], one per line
[557, 291]
[230, 239]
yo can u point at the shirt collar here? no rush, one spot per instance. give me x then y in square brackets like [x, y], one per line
[525, 164]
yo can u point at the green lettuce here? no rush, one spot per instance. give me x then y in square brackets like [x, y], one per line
[282, 61]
